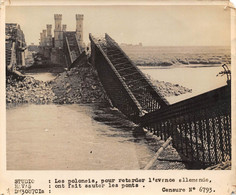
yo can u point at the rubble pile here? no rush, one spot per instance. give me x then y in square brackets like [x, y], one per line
[28, 90]
[168, 89]
[79, 85]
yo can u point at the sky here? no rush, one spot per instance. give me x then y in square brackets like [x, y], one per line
[160, 25]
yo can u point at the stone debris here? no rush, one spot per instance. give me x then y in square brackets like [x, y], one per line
[28, 90]
[169, 89]
[79, 85]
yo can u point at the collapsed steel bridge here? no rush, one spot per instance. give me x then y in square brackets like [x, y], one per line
[200, 126]
[74, 52]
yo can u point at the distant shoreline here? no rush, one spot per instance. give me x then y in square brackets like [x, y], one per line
[180, 66]
[193, 57]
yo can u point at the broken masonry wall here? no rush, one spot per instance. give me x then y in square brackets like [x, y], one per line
[47, 52]
[58, 57]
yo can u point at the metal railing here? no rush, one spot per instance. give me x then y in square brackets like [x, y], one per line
[200, 126]
[117, 90]
[72, 48]
[147, 95]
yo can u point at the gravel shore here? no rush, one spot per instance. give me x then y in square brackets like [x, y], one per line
[168, 89]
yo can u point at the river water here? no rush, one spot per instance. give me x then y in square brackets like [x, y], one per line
[198, 78]
[73, 137]
[42, 76]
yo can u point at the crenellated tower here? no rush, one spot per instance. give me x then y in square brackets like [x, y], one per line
[49, 30]
[64, 27]
[44, 34]
[52, 46]
[41, 39]
[79, 28]
[58, 34]
[49, 35]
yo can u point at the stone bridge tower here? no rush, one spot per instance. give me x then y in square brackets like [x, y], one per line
[64, 27]
[44, 34]
[49, 35]
[79, 28]
[41, 39]
[58, 34]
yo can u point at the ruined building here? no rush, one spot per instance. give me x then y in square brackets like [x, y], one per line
[15, 46]
[65, 46]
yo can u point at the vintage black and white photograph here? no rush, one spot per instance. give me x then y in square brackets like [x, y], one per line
[118, 87]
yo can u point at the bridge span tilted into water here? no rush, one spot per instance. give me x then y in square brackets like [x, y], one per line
[200, 126]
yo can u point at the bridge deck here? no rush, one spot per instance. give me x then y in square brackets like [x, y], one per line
[144, 94]
[71, 47]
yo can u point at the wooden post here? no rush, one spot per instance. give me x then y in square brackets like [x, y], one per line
[149, 165]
